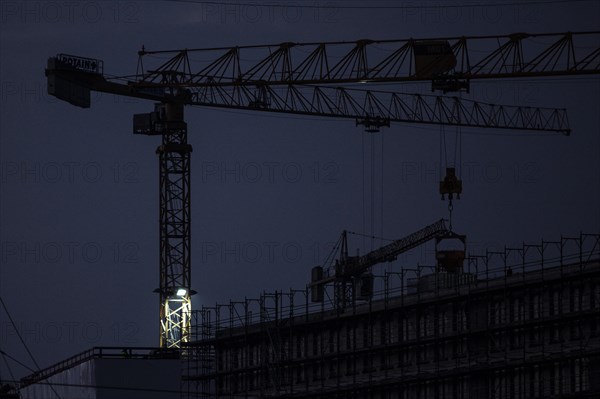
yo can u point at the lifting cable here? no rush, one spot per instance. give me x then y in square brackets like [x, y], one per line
[370, 179]
[372, 190]
[14, 325]
[382, 180]
[368, 161]
[364, 211]
[7, 366]
[451, 184]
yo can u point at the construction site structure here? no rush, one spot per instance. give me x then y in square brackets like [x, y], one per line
[279, 83]
[519, 323]
[449, 63]
[108, 373]
[351, 275]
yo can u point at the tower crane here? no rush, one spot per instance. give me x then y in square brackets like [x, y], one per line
[352, 273]
[310, 87]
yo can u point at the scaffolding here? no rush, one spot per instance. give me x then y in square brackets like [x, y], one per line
[521, 322]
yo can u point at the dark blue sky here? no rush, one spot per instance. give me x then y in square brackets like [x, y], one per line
[79, 192]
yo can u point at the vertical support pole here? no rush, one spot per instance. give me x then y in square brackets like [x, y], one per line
[174, 212]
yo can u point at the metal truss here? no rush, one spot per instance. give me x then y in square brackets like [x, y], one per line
[175, 321]
[283, 78]
[175, 271]
[347, 272]
[271, 349]
[370, 108]
[228, 335]
[374, 109]
[473, 57]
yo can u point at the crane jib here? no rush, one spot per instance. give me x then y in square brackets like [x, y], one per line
[387, 253]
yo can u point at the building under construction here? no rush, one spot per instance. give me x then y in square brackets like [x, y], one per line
[518, 323]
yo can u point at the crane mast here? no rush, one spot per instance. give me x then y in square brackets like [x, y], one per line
[277, 84]
[174, 204]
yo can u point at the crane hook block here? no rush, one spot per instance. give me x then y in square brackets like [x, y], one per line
[451, 184]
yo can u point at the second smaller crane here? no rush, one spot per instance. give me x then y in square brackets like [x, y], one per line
[351, 275]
